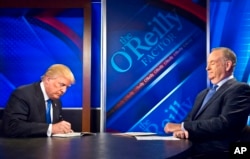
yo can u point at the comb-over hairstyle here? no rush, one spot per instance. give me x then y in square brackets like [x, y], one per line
[59, 70]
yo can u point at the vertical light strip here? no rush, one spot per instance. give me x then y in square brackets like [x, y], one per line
[103, 66]
[208, 36]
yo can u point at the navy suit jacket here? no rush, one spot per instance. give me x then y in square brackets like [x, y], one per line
[223, 118]
[25, 113]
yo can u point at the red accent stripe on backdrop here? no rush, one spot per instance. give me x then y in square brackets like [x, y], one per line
[48, 17]
[150, 77]
[190, 7]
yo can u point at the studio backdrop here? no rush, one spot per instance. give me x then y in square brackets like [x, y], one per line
[156, 58]
[33, 39]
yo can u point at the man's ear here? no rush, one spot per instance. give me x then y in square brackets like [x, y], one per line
[229, 65]
[47, 79]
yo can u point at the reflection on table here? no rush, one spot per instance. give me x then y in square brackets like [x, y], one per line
[99, 146]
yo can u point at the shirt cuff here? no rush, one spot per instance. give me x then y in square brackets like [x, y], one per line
[182, 127]
[49, 131]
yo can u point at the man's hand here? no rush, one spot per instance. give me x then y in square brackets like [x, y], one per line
[61, 128]
[172, 127]
[181, 134]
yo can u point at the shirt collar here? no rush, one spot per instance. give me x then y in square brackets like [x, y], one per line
[46, 97]
[224, 81]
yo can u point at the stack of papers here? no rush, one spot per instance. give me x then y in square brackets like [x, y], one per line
[156, 138]
[146, 136]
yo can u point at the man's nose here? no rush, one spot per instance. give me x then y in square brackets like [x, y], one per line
[64, 89]
[207, 67]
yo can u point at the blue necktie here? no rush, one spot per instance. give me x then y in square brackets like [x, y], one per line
[48, 117]
[208, 96]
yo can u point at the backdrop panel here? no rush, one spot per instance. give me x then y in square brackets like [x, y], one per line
[33, 39]
[230, 27]
[156, 57]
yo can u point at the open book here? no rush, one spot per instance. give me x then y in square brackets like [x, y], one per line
[73, 134]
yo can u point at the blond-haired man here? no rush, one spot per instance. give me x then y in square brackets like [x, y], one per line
[25, 113]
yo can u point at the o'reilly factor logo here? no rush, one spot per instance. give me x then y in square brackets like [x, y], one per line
[240, 150]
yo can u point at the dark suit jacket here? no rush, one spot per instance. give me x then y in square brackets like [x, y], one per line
[25, 113]
[222, 119]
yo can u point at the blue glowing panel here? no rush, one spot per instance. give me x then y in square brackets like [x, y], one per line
[33, 39]
[231, 28]
[156, 54]
[95, 54]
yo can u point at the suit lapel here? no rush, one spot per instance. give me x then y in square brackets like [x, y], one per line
[213, 98]
[199, 102]
[41, 107]
[55, 111]
[223, 88]
[41, 103]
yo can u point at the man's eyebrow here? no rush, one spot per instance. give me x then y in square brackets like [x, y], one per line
[210, 61]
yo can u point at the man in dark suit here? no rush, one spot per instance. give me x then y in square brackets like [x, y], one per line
[25, 113]
[223, 117]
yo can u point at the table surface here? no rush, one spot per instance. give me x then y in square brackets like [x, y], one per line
[99, 146]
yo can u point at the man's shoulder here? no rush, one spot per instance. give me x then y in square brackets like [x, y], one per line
[29, 88]
[240, 84]
[234, 83]
[239, 87]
